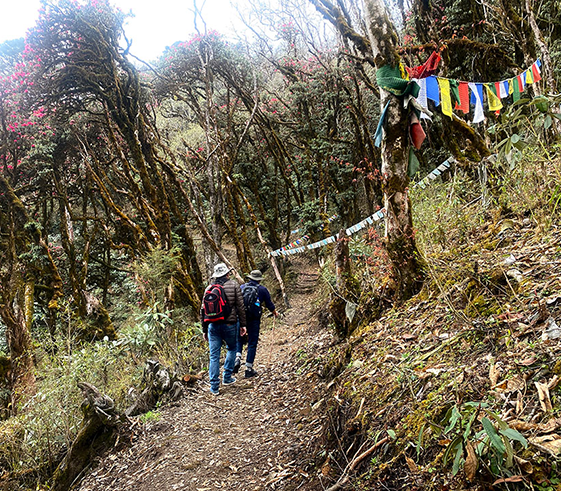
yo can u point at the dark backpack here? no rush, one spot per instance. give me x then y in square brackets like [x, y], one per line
[215, 304]
[251, 301]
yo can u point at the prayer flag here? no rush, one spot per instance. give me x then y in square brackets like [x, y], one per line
[380, 129]
[427, 68]
[463, 91]
[422, 97]
[529, 79]
[536, 72]
[416, 132]
[494, 102]
[444, 85]
[515, 89]
[432, 90]
[520, 81]
[477, 94]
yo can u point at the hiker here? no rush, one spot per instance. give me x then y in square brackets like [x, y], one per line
[255, 296]
[222, 311]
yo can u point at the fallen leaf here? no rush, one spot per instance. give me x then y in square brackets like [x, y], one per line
[543, 394]
[528, 361]
[515, 383]
[509, 479]
[411, 464]
[470, 466]
[548, 443]
[524, 465]
[494, 374]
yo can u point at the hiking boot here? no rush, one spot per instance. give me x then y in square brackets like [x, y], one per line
[250, 372]
[237, 365]
[229, 382]
[214, 392]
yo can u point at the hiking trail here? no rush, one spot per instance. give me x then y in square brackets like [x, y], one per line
[253, 436]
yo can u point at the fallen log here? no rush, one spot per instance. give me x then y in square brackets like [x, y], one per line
[100, 430]
[159, 385]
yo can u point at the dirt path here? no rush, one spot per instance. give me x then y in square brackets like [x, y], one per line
[251, 437]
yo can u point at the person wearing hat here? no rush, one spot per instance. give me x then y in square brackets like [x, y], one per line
[253, 316]
[227, 331]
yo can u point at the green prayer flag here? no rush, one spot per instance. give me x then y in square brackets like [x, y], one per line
[455, 91]
[389, 78]
[413, 163]
[515, 90]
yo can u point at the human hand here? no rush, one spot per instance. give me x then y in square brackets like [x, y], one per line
[205, 336]
[243, 331]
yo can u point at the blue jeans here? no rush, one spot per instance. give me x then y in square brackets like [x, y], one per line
[217, 333]
[253, 326]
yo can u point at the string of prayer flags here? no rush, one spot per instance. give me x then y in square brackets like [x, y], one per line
[462, 96]
[330, 219]
[370, 220]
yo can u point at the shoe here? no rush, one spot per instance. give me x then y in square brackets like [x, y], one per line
[250, 372]
[214, 392]
[237, 365]
[229, 382]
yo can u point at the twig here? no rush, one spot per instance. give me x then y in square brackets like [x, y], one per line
[344, 479]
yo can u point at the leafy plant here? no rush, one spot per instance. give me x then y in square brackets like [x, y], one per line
[475, 439]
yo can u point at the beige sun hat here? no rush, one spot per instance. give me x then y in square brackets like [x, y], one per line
[221, 270]
[255, 275]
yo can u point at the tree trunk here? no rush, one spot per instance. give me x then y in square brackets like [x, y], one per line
[400, 240]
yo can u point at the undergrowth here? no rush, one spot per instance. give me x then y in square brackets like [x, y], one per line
[450, 377]
[43, 428]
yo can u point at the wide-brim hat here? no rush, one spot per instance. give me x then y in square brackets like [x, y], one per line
[255, 275]
[221, 270]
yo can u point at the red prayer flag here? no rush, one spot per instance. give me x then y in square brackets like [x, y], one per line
[416, 132]
[536, 73]
[520, 84]
[427, 69]
[463, 89]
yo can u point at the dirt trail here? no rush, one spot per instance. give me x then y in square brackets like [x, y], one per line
[251, 437]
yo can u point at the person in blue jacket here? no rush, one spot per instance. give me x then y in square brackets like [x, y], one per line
[260, 297]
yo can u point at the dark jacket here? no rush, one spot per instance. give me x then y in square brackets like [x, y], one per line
[235, 301]
[262, 293]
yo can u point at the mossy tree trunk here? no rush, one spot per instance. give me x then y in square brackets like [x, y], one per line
[400, 237]
[380, 49]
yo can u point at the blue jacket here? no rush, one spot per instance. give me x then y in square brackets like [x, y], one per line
[263, 293]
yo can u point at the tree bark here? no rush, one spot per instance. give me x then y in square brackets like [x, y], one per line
[399, 236]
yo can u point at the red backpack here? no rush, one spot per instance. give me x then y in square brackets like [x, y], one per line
[215, 304]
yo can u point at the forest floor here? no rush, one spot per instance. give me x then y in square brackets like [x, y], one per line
[253, 436]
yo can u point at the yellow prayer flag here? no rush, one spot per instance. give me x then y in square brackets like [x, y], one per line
[529, 78]
[445, 98]
[510, 86]
[403, 71]
[494, 102]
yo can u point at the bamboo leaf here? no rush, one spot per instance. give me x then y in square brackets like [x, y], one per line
[457, 459]
[515, 435]
[495, 439]
[450, 448]
[453, 419]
